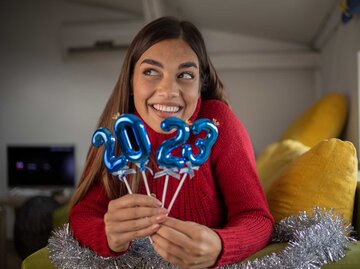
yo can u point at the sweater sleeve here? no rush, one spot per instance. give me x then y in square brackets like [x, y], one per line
[87, 221]
[249, 222]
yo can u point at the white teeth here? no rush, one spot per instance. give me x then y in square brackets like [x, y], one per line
[162, 108]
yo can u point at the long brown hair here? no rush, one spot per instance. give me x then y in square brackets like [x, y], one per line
[121, 101]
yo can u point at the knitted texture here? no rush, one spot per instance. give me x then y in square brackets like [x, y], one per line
[225, 193]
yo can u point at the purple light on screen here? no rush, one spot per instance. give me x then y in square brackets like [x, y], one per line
[19, 165]
[32, 166]
[69, 167]
[46, 166]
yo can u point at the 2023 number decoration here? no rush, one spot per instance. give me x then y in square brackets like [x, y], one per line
[112, 163]
[169, 163]
[140, 157]
[117, 165]
[164, 157]
[126, 123]
[194, 161]
[139, 154]
[204, 145]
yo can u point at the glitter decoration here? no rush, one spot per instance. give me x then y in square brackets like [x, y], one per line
[313, 241]
[216, 122]
[115, 116]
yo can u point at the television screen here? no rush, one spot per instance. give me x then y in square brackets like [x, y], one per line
[41, 166]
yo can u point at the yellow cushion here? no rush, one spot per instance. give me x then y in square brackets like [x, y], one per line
[60, 216]
[38, 260]
[275, 158]
[325, 119]
[324, 176]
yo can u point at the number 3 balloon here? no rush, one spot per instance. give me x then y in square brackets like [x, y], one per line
[204, 145]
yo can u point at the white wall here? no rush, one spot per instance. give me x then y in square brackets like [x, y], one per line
[340, 71]
[47, 98]
[266, 101]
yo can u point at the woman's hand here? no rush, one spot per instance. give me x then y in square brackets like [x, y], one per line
[131, 217]
[187, 244]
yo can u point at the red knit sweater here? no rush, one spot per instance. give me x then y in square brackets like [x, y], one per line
[225, 193]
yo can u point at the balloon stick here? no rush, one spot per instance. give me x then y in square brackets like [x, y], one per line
[176, 193]
[165, 190]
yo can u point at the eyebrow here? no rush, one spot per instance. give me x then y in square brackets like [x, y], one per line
[187, 65]
[152, 62]
[181, 66]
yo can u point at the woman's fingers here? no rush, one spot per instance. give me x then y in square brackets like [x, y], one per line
[188, 228]
[119, 242]
[176, 254]
[133, 200]
[166, 255]
[169, 247]
[125, 214]
[174, 237]
[187, 244]
[140, 223]
[130, 217]
[129, 236]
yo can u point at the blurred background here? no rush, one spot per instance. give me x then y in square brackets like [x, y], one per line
[60, 59]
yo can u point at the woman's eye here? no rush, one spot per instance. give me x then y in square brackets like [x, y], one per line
[186, 75]
[150, 72]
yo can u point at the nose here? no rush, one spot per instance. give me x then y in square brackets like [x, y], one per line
[168, 88]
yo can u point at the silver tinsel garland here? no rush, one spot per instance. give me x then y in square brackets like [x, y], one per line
[313, 241]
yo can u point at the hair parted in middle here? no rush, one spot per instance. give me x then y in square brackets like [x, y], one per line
[121, 99]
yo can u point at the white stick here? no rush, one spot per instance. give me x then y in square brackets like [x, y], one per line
[177, 192]
[130, 192]
[127, 185]
[146, 183]
[165, 190]
[148, 193]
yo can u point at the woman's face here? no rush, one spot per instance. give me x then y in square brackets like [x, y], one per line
[166, 82]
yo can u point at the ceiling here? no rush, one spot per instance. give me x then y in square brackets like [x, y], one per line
[298, 21]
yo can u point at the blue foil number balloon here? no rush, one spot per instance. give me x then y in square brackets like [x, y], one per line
[204, 145]
[164, 157]
[131, 122]
[112, 163]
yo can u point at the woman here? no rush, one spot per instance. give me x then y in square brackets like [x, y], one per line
[220, 216]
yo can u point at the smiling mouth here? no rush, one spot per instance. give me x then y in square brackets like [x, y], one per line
[166, 109]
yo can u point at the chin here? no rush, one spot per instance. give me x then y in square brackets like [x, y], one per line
[156, 127]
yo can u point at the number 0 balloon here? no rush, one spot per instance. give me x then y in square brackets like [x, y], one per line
[126, 123]
[123, 125]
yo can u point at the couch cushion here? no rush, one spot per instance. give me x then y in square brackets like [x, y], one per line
[38, 260]
[324, 119]
[325, 176]
[272, 161]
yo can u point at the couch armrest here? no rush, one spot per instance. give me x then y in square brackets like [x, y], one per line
[356, 215]
[38, 260]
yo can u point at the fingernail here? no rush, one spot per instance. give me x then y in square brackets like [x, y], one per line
[158, 203]
[162, 210]
[160, 217]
